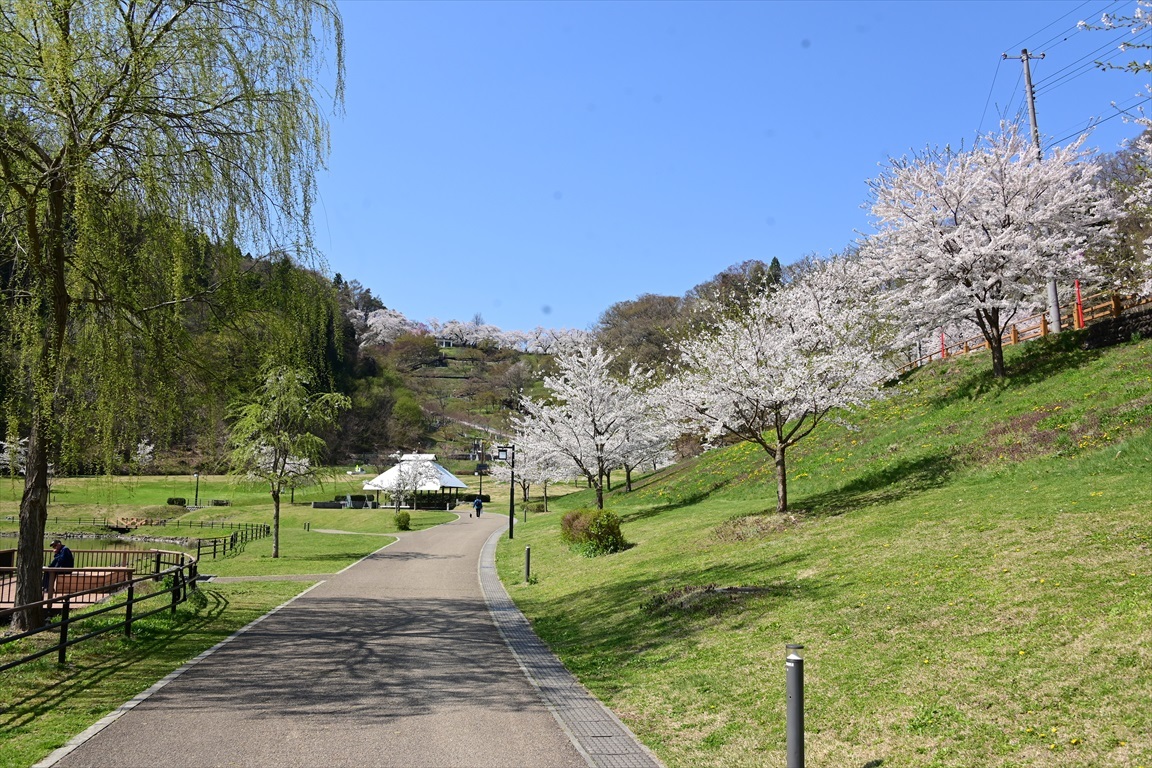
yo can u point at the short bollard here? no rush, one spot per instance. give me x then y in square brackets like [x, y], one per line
[527, 564]
[794, 684]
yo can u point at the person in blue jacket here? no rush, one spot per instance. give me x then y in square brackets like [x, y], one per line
[479, 506]
[61, 558]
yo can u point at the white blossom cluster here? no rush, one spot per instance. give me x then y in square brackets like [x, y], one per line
[14, 457]
[384, 326]
[592, 423]
[1140, 203]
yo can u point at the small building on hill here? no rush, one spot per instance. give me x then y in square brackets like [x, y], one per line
[418, 482]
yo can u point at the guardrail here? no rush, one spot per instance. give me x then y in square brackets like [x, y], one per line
[177, 571]
[1090, 309]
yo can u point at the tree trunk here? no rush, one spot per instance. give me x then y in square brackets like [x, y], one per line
[627, 478]
[781, 481]
[545, 496]
[275, 523]
[996, 347]
[30, 542]
[599, 495]
[608, 477]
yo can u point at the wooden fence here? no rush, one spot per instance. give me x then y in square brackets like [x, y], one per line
[1090, 309]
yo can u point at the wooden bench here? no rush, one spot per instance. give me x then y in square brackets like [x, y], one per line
[83, 579]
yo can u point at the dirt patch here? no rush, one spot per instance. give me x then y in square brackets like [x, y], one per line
[1017, 439]
[692, 598]
[755, 527]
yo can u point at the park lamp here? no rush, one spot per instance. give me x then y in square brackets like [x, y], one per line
[508, 453]
[196, 501]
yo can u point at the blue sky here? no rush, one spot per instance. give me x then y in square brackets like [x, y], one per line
[536, 162]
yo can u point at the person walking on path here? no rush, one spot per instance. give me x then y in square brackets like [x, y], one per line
[478, 504]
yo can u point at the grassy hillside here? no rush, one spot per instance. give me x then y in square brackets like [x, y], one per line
[969, 566]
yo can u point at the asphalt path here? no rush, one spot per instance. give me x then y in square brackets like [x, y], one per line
[396, 661]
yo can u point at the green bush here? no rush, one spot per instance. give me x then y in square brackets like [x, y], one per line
[403, 521]
[177, 502]
[593, 532]
[471, 497]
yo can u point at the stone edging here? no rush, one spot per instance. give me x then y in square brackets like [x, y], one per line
[595, 731]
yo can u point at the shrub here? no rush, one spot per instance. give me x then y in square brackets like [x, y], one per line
[403, 521]
[177, 502]
[471, 497]
[534, 507]
[593, 532]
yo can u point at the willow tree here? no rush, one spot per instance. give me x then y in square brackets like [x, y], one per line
[125, 125]
[270, 436]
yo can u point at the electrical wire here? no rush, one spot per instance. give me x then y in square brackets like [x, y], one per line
[1049, 82]
[1093, 122]
[988, 100]
[1050, 24]
[1079, 73]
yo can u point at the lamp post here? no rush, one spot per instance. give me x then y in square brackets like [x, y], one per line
[478, 447]
[508, 453]
[196, 502]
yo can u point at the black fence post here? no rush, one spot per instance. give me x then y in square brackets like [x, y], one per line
[175, 590]
[156, 568]
[62, 656]
[128, 609]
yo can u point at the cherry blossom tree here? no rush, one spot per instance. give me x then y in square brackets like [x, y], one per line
[977, 234]
[772, 374]
[1139, 203]
[381, 326]
[589, 416]
[412, 473]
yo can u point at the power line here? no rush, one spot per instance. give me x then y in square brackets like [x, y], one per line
[1050, 24]
[988, 100]
[1065, 79]
[1094, 121]
[1064, 36]
[1050, 81]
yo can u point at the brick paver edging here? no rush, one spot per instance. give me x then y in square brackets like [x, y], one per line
[595, 731]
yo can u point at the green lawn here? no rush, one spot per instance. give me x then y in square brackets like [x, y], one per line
[44, 705]
[969, 568]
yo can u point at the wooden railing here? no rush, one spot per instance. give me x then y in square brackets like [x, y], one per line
[1092, 308]
[175, 571]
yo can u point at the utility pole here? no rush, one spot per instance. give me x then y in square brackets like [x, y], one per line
[1030, 94]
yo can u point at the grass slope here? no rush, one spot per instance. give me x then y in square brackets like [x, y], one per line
[970, 568]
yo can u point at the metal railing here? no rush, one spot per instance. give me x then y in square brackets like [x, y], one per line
[176, 570]
[222, 545]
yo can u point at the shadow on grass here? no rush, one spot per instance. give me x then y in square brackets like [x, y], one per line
[683, 501]
[882, 486]
[630, 615]
[1032, 363]
[64, 683]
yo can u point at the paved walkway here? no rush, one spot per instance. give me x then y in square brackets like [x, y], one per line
[401, 660]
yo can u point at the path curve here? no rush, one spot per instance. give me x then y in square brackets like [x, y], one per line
[395, 661]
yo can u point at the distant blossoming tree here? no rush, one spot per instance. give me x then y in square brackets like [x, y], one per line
[977, 234]
[772, 374]
[589, 415]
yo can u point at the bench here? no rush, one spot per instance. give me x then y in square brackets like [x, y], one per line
[83, 579]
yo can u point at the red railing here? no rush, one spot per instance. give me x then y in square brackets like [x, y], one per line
[1090, 309]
